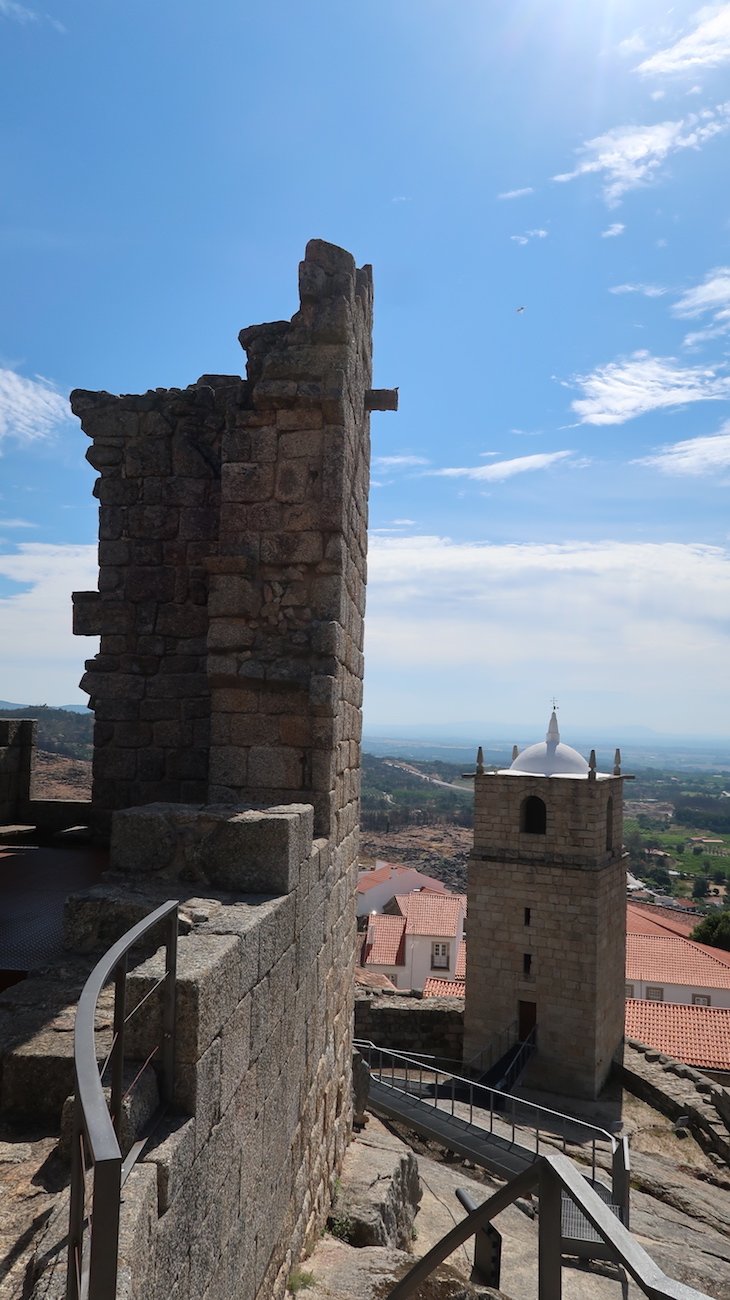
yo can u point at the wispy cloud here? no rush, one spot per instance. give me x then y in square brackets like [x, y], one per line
[17, 523]
[709, 455]
[517, 194]
[20, 13]
[613, 231]
[635, 385]
[711, 298]
[503, 469]
[628, 157]
[706, 46]
[528, 235]
[30, 409]
[648, 290]
[398, 462]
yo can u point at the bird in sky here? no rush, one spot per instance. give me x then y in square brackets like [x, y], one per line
[519, 309]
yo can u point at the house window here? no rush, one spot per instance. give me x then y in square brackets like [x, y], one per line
[629, 990]
[527, 915]
[527, 964]
[533, 816]
[654, 993]
[701, 1000]
[439, 956]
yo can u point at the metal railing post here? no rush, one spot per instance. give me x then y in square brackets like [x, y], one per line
[105, 1237]
[167, 1079]
[550, 1285]
[117, 1052]
[76, 1207]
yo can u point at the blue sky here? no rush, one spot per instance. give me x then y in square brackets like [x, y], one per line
[550, 506]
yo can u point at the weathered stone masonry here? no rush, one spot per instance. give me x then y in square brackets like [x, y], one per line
[227, 697]
[232, 548]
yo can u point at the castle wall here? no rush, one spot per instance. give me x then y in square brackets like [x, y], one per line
[233, 518]
[17, 738]
[547, 921]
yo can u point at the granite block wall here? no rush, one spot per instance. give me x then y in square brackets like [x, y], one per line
[17, 738]
[232, 565]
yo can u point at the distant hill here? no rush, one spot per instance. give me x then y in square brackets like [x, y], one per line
[60, 731]
[66, 708]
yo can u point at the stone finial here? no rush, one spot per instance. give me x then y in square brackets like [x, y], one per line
[592, 766]
[480, 761]
[515, 752]
[617, 763]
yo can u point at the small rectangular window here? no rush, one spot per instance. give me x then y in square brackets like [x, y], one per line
[527, 963]
[701, 1000]
[654, 993]
[527, 915]
[629, 990]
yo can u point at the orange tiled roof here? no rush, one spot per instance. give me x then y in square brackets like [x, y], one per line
[372, 979]
[433, 914]
[435, 988]
[652, 918]
[390, 871]
[698, 1036]
[669, 959]
[383, 944]
[460, 968]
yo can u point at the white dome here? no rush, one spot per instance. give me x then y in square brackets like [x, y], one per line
[550, 757]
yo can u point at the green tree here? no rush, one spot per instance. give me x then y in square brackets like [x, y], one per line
[700, 887]
[680, 847]
[714, 930]
[718, 876]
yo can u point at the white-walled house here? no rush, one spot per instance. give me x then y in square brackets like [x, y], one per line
[423, 936]
[668, 968]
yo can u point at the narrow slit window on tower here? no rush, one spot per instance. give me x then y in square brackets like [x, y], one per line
[609, 823]
[527, 963]
[533, 815]
[528, 914]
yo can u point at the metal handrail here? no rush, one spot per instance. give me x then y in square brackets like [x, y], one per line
[483, 1098]
[553, 1175]
[92, 1272]
[494, 1050]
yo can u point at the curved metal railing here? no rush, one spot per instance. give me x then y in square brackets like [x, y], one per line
[92, 1255]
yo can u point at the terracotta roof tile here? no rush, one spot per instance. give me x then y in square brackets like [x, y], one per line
[698, 1036]
[383, 944]
[435, 988]
[460, 968]
[433, 914]
[669, 959]
[652, 918]
[390, 871]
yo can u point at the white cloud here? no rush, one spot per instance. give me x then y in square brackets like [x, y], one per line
[517, 194]
[710, 298]
[634, 44]
[528, 235]
[706, 46]
[17, 12]
[657, 94]
[398, 462]
[634, 385]
[17, 523]
[30, 409]
[503, 469]
[630, 156]
[694, 456]
[648, 290]
[623, 620]
[613, 231]
[42, 661]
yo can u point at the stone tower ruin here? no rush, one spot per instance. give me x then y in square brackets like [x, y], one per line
[547, 914]
[232, 544]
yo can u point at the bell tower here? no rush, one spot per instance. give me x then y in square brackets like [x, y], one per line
[547, 913]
